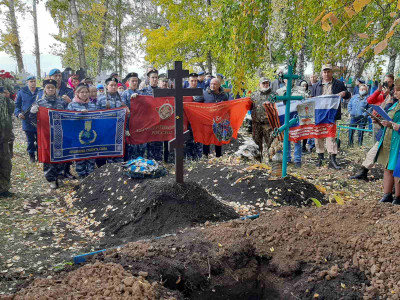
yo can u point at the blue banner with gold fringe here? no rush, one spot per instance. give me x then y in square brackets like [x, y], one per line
[71, 136]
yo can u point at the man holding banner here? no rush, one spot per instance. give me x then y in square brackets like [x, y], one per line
[54, 173]
[213, 94]
[328, 86]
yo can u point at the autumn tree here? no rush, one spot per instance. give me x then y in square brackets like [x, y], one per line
[9, 38]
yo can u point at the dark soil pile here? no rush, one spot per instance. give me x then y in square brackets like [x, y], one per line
[254, 186]
[97, 281]
[128, 210]
[334, 252]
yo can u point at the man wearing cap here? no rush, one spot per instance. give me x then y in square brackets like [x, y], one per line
[152, 75]
[62, 90]
[329, 86]
[201, 83]
[100, 90]
[163, 81]
[154, 149]
[132, 151]
[111, 99]
[261, 129]
[278, 83]
[6, 137]
[25, 98]
[53, 172]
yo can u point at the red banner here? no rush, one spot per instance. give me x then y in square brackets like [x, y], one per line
[43, 134]
[309, 131]
[153, 119]
[216, 123]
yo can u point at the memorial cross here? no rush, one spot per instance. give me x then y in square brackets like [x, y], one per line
[178, 92]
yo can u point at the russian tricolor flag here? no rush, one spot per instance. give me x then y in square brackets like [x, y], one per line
[316, 117]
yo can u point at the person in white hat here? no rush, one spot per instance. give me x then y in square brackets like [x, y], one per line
[329, 86]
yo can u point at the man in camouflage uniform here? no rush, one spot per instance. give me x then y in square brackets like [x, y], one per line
[261, 128]
[7, 107]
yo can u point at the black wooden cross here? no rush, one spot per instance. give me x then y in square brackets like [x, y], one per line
[178, 142]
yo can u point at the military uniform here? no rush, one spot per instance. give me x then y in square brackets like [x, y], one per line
[260, 126]
[108, 101]
[154, 149]
[132, 150]
[83, 167]
[6, 138]
[52, 172]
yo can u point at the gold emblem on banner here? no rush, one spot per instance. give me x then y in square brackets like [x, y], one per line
[88, 135]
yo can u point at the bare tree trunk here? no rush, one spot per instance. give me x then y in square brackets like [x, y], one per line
[17, 44]
[79, 35]
[392, 61]
[209, 62]
[301, 62]
[37, 50]
[120, 53]
[359, 67]
[103, 41]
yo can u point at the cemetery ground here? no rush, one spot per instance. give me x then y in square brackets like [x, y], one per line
[189, 242]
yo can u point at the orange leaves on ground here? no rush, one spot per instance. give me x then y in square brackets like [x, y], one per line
[389, 34]
[319, 17]
[349, 11]
[362, 35]
[333, 19]
[369, 23]
[325, 26]
[360, 4]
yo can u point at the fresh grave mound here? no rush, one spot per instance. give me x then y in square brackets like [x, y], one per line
[336, 251]
[96, 281]
[128, 210]
[253, 186]
[333, 252]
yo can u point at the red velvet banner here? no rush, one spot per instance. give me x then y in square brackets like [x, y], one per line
[152, 119]
[216, 123]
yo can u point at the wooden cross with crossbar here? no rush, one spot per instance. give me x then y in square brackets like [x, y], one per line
[178, 142]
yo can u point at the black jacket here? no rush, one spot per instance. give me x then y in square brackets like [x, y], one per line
[337, 87]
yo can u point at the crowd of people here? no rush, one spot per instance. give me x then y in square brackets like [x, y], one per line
[84, 95]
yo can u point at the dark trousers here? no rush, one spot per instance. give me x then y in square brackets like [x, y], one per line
[218, 150]
[357, 122]
[31, 139]
[52, 172]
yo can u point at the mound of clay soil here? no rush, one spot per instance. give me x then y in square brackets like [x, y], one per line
[97, 281]
[254, 186]
[128, 210]
[336, 251]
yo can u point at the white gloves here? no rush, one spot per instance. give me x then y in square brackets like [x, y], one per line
[34, 109]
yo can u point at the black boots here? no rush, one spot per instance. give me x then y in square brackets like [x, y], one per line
[396, 201]
[333, 163]
[362, 175]
[386, 198]
[320, 159]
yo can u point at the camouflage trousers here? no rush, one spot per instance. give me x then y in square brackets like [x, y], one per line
[5, 166]
[52, 172]
[85, 167]
[262, 132]
[134, 151]
[155, 150]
